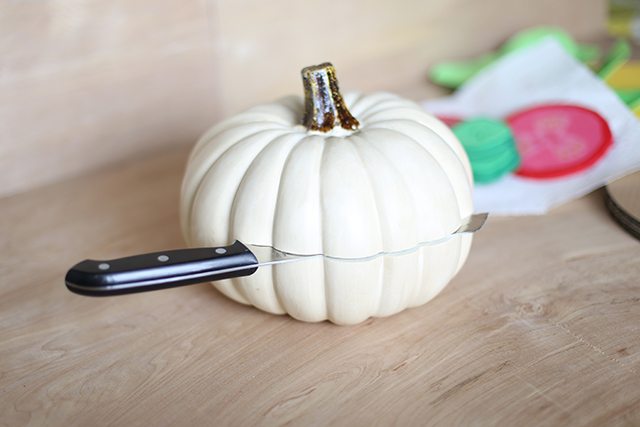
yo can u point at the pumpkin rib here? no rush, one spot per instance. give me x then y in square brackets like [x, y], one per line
[295, 106]
[218, 130]
[324, 261]
[290, 141]
[418, 282]
[195, 171]
[390, 104]
[274, 280]
[203, 170]
[200, 162]
[236, 292]
[442, 170]
[415, 285]
[296, 206]
[435, 126]
[256, 114]
[376, 200]
[347, 281]
[421, 279]
[352, 99]
[429, 129]
[260, 114]
[450, 175]
[420, 117]
[238, 282]
[465, 247]
[350, 203]
[387, 105]
[226, 288]
[412, 112]
[286, 110]
[456, 251]
[360, 105]
[457, 196]
[449, 137]
[214, 176]
[375, 102]
[278, 282]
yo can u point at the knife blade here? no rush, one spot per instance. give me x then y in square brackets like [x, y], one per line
[180, 267]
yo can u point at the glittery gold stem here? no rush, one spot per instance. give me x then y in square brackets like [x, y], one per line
[324, 106]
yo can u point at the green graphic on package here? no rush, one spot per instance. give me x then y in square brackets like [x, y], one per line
[490, 146]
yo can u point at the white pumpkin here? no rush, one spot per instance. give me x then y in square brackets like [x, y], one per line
[399, 178]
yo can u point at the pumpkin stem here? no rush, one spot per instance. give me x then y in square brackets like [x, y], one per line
[324, 106]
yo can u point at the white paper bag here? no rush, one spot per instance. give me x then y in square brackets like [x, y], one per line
[544, 74]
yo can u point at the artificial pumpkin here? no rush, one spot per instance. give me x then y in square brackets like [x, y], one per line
[347, 177]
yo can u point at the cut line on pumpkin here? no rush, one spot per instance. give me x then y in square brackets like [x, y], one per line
[471, 224]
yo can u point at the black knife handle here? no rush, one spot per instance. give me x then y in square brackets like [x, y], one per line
[160, 270]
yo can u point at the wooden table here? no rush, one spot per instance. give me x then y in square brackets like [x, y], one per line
[541, 327]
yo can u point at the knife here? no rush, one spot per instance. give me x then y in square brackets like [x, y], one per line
[173, 268]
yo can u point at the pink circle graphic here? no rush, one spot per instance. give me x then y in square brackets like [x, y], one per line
[558, 140]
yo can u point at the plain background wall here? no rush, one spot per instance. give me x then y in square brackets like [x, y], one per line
[85, 83]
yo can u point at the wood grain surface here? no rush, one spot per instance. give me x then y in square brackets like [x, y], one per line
[541, 327]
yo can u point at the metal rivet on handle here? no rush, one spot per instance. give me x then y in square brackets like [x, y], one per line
[103, 266]
[221, 251]
[163, 258]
